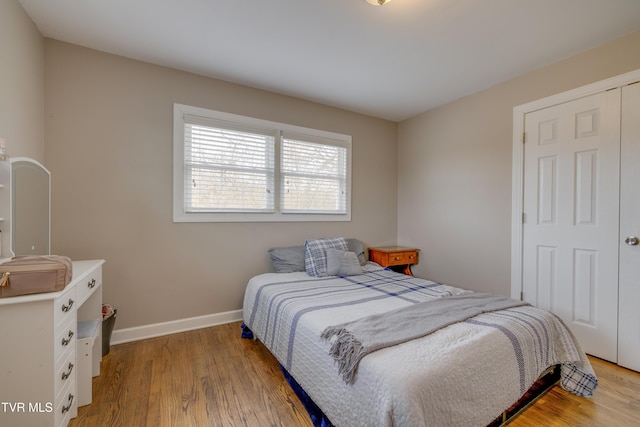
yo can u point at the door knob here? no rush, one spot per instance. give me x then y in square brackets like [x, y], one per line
[632, 240]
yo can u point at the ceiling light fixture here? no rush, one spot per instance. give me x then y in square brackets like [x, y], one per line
[378, 2]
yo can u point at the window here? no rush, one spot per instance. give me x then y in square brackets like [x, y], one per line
[233, 168]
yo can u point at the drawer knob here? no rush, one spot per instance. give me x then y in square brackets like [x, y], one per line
[67, 374]
[66, 341]
[66, 308]
[70, 400]
[91, 284]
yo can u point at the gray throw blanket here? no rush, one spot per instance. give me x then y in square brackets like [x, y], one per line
[357, 338]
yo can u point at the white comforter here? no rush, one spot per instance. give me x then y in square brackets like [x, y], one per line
[463, 375]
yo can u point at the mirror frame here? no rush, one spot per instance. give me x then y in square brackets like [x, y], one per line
[34, 164]
[5, 208]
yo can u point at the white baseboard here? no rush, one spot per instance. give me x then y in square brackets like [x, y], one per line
[120, 336]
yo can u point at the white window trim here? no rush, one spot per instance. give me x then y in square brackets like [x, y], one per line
[179, 215]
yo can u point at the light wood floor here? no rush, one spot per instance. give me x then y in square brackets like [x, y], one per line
[211, 377]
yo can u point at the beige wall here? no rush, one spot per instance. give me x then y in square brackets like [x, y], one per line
[109, 149]
[454, 170]
[21, 83]
[108, 144]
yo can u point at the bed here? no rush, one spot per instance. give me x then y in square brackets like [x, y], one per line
[466, 373]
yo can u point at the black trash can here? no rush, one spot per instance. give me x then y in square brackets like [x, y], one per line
[108, 322]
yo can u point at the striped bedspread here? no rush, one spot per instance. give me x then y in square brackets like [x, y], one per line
[464, 374]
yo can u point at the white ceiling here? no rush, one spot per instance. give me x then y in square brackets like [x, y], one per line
[392, 61]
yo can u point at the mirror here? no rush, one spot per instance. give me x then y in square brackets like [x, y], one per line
[30, 207]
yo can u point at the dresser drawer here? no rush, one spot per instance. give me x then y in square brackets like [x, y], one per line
[88, 285]
[65, 374]
[65, 307]
[65, 340]
[64, 405]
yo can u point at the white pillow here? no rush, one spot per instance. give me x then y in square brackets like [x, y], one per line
[341, 263]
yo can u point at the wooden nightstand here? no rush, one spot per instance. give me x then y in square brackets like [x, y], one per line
[397, 258]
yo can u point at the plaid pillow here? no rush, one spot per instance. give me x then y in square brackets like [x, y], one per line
[315, 255]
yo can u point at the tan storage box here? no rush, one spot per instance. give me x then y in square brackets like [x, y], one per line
[24, 275]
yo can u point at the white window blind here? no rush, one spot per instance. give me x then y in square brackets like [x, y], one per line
[232, 168]
[314, 177]
[227, 169]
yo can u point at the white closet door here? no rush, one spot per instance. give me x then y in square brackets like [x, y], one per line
[629, 329]
[571, 207]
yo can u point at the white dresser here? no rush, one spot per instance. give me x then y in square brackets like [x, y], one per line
[38, 350]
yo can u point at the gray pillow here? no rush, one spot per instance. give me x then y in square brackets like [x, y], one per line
[356, 246]
[287, 260]
[341, 263]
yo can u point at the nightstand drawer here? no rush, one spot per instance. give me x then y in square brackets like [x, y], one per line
[402, 258]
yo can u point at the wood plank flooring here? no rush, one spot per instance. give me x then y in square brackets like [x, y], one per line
[211, 377]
